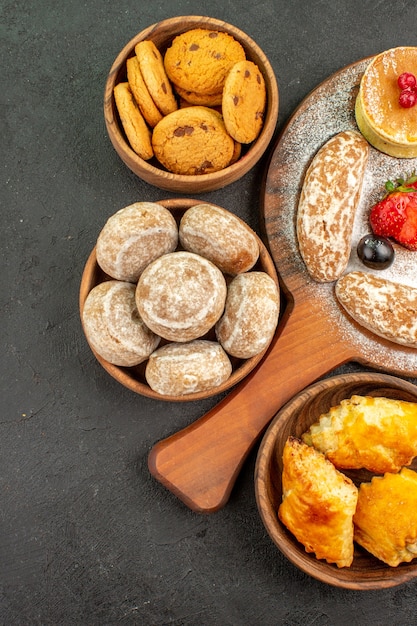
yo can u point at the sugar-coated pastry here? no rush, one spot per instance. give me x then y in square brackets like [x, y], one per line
[385, 307]
[328, 201]
[181, 295]
[178, 369]
[250, 316]
[379, 434]
[385, 521]
[220, 236]
[133, 237]
[318, 503]
[113, 326]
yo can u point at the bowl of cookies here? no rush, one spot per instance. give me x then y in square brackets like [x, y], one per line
[336, 480]
[179, 300]
[191, 104]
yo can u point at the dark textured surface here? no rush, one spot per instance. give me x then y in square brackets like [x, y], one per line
[86, 535]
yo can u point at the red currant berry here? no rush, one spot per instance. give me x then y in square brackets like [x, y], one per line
[407, 80]
[408, 98]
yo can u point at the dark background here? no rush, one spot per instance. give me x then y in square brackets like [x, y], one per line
[87, 536]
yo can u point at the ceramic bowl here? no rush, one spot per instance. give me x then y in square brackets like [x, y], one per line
[151, 171]
[134, 377]
[366, 572]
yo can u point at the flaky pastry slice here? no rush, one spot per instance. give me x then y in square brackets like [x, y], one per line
[386, 517]
[318, 503]
[379, 434]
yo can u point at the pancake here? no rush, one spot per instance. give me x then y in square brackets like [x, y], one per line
[387, 125]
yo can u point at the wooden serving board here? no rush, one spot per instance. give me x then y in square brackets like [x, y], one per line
[200, 463]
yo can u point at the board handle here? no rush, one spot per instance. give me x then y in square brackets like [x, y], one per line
[200, 463]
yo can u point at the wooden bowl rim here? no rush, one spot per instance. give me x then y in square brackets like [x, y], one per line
[180, 182]
[124, 375]
[381, 576]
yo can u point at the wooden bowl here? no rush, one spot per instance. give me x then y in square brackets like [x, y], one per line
[366, 572]
[151, 171]
[134, 377]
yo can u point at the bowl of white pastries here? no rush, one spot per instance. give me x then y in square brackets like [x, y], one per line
[336, 481]
[170, 307]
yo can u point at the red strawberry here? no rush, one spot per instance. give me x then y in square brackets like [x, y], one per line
[396, 215]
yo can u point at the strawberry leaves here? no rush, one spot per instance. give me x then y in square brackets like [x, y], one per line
[401, 184]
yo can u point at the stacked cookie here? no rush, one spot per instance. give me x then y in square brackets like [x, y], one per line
[195, 106]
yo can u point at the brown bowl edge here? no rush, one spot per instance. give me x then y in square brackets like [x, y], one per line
[92, 275]
[176, 182]
[366, 572]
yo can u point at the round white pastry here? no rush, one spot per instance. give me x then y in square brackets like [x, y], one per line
[177, 369]
[220, 236]
[113, 327]
[181, 295]
[133, 237]
[251, 315]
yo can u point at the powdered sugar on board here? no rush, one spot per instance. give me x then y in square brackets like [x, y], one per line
[328, 110]
[381, 168]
